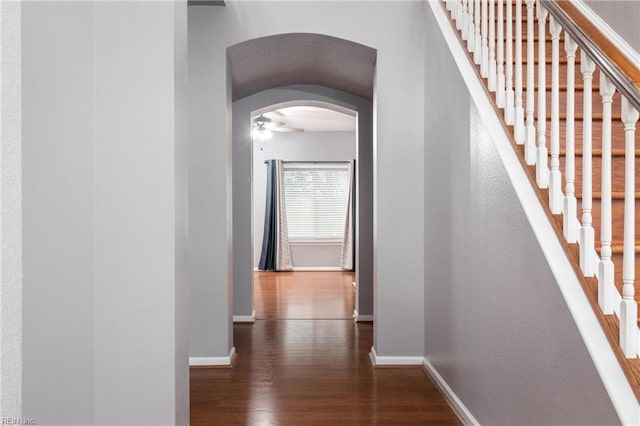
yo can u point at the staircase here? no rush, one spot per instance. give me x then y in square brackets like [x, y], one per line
[503, 40]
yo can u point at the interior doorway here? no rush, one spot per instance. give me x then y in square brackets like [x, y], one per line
[275, 70]
[244, 171]
[316, 146]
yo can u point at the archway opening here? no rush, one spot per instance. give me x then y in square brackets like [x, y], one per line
[290, 70]
[315, 143]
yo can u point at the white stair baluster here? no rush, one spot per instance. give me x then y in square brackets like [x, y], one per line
[500, 92]
[570, 212]
[628, 305]
[470, 26]
[518, 128]
[509, 95]
[605, 268]
[555, 178]
[587, 237]
[492, 46]
[458, 12]
[530, 134]
[477, 42]
[464, 22]
[542, 161]
[484, 42]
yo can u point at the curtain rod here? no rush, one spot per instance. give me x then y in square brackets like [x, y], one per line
[314, 162]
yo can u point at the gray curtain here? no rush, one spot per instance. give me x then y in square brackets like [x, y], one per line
[276, 253]
[348, 249]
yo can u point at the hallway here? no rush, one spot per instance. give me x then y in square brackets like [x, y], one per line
[299, 364]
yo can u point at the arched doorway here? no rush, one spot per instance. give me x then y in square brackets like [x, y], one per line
[288, 69]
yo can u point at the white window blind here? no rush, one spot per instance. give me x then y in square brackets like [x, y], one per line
[316, 197]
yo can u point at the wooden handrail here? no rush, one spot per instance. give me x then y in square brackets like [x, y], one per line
[621, 70]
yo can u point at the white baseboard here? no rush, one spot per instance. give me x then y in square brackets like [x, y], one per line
[317, 269]
[245, 318]
[310, 269]
[456, 403]
[357, 317]
[377, 360]
[214, 361]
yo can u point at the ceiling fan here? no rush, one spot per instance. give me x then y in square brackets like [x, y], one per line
[263, 125]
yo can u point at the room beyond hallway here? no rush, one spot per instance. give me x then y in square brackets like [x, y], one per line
[304, 295]
[296, 366]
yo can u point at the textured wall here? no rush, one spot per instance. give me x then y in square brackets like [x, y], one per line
[10, 210]
[622, 16]
[497, 327]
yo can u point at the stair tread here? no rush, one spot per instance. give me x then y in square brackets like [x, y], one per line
[598, 152]
[615, 195]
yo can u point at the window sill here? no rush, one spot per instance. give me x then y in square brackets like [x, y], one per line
[316, 243]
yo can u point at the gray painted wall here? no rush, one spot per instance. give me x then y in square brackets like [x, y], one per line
[210, 204]
[243, 168]
[140, 167]
[58, 209]
[104, 224]
[622, 16]
[305, 146]
[497, 328]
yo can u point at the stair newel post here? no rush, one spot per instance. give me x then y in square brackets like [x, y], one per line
[500, 78]
[555, 179]
[587, 237]
[492, 46]
[605, 268]
[484, 39]
[518, 127]
[509, 94]
[477, 42]
[570, 227]
[628, 305]
[530, 132]
[542, 161]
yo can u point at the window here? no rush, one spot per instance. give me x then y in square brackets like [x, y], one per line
[316, 198]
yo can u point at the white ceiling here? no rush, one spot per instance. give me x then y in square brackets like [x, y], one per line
[314, 119]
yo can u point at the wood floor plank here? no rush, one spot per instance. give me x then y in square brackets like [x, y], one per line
[311, 371]
[304, 295]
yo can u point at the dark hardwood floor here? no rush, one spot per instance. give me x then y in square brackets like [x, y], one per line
[308, 371]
